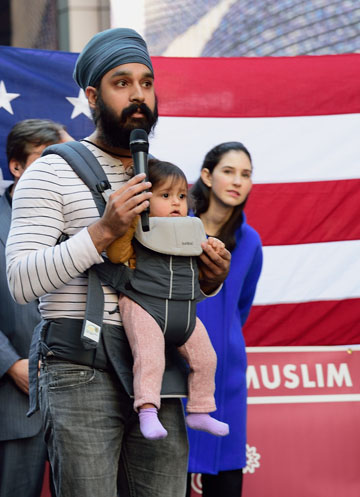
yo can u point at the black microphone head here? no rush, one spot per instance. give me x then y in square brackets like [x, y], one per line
[139, 141]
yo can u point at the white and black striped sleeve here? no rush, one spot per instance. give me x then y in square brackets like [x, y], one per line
[36, 264]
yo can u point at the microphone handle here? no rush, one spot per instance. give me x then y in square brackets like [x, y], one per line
[141, 163]
[141, 166]
[145, 220]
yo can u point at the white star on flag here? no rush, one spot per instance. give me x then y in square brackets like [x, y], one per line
[81, 105]
[5, 98]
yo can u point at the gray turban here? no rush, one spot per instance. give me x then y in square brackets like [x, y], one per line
[107, 50]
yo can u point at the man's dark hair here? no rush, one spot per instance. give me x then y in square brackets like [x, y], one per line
[31, 133]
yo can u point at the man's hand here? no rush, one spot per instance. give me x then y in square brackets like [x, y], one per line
[19, 372]
[214, 264]
[123, 206]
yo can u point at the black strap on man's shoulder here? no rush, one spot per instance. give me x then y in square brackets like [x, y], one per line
[86, 166]
[90, 171]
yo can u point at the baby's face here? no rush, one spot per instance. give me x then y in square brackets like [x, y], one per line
[169, 199]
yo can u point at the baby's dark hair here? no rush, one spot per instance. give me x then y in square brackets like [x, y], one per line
[160, 171]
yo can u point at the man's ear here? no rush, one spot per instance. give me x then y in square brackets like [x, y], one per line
[16, 168]
[91, 94]
[205, 175]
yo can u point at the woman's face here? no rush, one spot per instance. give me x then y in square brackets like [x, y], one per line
[230, 180]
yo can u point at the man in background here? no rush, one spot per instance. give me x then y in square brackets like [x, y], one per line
[22, 448]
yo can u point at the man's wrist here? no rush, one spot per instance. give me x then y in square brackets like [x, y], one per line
[210, 290]
[100, 236]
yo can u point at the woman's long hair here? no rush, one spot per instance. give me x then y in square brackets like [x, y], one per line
[200, 193]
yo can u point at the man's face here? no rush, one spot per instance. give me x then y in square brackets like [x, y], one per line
[125, 101]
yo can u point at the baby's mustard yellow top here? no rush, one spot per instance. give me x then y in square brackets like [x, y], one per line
[121, 250]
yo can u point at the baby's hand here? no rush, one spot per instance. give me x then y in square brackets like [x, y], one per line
[216, 244]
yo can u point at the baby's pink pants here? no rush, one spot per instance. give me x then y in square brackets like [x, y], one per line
[148, 348]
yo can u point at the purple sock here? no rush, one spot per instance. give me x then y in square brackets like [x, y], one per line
[150, 425]
[204, 422]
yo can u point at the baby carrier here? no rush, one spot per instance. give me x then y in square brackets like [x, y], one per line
[90, 171]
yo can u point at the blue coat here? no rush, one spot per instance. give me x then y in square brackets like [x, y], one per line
[224, 316]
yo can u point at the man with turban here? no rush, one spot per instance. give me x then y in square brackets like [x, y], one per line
[92, 432]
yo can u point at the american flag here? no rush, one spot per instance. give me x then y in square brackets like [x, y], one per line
[300, 119]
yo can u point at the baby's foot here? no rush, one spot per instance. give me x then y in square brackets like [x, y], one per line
[204, 422]
[150, 425]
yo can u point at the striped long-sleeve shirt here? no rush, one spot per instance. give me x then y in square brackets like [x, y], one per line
[50, 199]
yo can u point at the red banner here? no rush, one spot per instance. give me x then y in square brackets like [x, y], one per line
[303, 416]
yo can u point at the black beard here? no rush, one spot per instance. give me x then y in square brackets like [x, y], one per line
[114, 130]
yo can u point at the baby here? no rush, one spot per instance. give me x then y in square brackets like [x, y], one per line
[148, 312]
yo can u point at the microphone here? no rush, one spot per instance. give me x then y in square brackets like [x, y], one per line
[139, 147]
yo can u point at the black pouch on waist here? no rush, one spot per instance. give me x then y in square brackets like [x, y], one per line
[63, 340]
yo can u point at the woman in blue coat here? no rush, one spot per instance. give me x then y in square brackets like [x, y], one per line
[219, 197]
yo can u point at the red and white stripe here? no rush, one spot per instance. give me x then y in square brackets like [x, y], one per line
[300, 119]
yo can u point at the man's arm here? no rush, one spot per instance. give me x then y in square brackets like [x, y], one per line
[12, 364]
[36, 264]
[8, 355]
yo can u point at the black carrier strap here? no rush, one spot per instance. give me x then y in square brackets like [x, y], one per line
[89, 170]
[86, 166]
